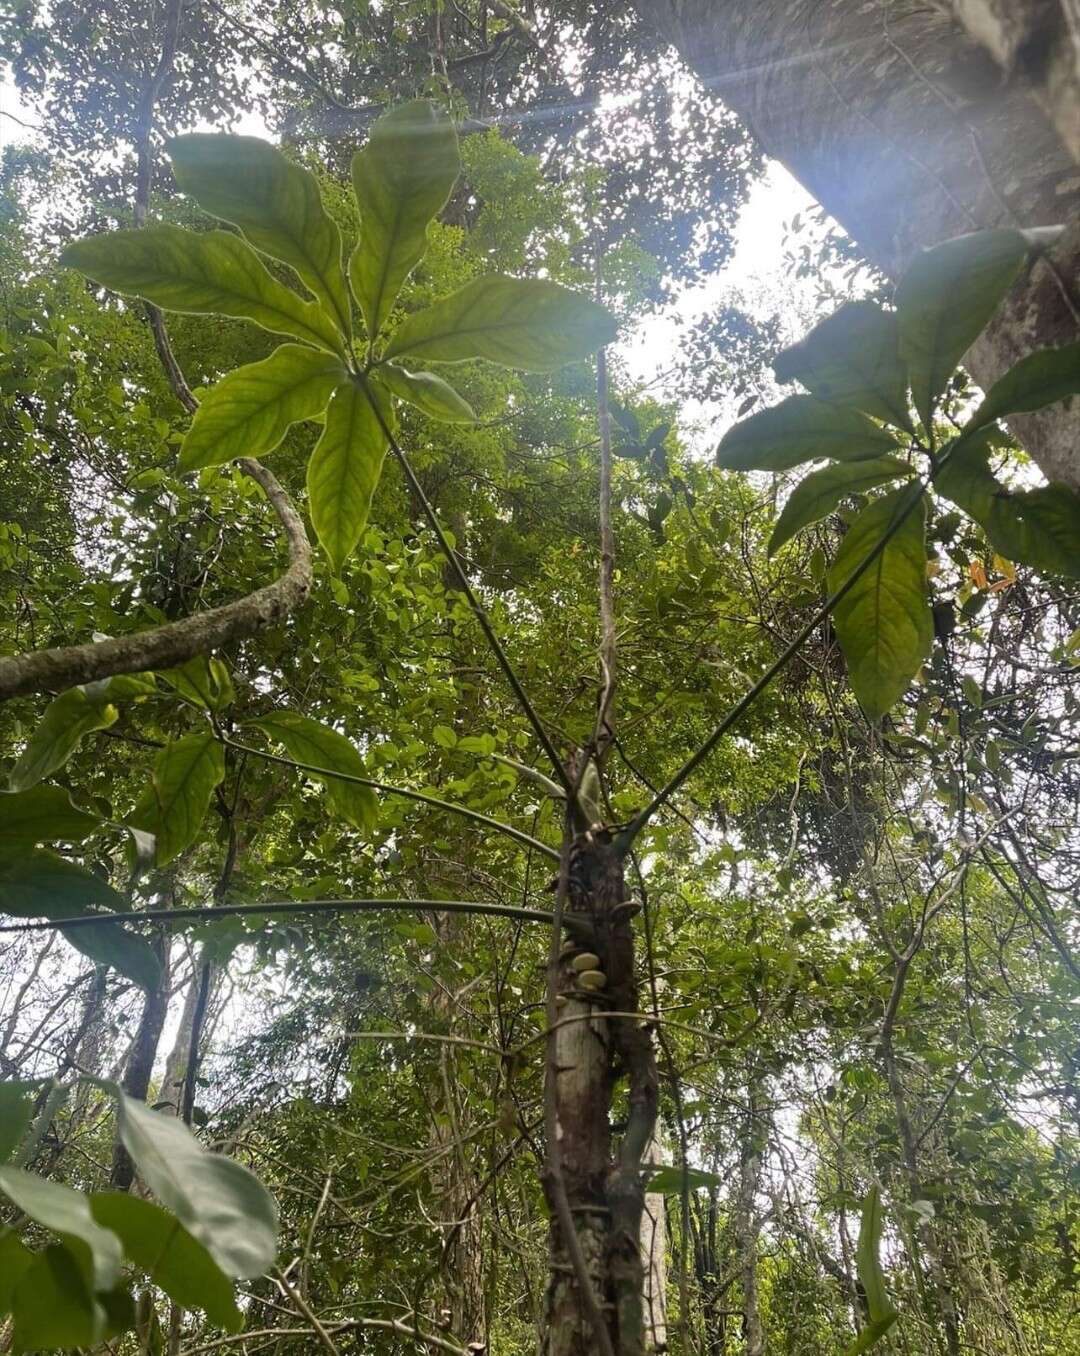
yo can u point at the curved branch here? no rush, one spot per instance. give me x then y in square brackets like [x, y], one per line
[175, 643]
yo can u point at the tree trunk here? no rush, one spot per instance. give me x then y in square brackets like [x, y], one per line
[654, 1251]
[902, 127]
[140, 1067]
[747, 1228]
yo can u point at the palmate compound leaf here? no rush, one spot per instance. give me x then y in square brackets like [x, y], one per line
[308, 741]
[217, 1200]
[429, 393]
[274, 202]
[186, 771]
[200, 273]
[944, 301]
[532, 324]
[801, 429]
[821, 491]
[346, 464]
[66, 719]
[402, 179]
[249, 411]
[1039, 379]
[884, 621]
[1038, 527]
[171, 1257]
[852, 358]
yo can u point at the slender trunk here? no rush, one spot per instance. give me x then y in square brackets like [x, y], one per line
[747, 1228]
[654, 1250]
[140, 1066]
[900, 125]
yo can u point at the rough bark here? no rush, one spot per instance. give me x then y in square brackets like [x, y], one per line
[140, 1066]
[654, 1251]
[903, 128]
[747, 1228]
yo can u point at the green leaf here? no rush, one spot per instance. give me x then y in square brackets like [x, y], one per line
[1039, 527]
[112, 945]
[186, 771]
[67, 718]
[249, 412]
[44, 814]
[200, 273]
[430, 394]
[52, 1305]
[307, 741]
[345, 467]
[532, 324]
[173, 1259]
[944, 301]
[852, 358]
[1037, 380]
[402, 179]
[220, 1203]
[801, 429]
[870, 1335]
[15, 1257]
[821, 491]
[16, 1115]
[67, 1213]
[884, 622]
[669, 1181]
[880, 1311]
[202, 682]
[277, 205]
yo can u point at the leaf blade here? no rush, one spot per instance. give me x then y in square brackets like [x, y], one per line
[186, 773]
[345, 467]
[800, 429]
[64, 722]
[309, 741]
[429, 393]
[821, 491]
[1041, 378]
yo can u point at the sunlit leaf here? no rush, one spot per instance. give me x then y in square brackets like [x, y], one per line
[669, 1181]
[402, 179]
[801, 429]
[429, 393]
[532, 324]
[1039, 379]
[276, 203]
[884, 622]
[249, 411]
[202, 682]
[186, 771]
[944, 301]
[66, 719]
[345, 467]
[220, 1203]
[821, 491]
[307, 741]
[201, 273]
[852, 358]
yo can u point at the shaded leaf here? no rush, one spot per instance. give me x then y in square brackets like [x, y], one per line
[66, 719]
[52, 1305]
[277, 205]
[16, 1115]
[171, 1257]
[202, 682]
[345, 467]
[821, 491]
[307, 741]
[200, 273]
[801, 429]
[944, 302]
[39, 884]
[852, 358]
[532, 324]
[1037, 380]
[112, 945]
[44, 814]
[884, 622]
[220, 1203]
[402, 179]
[15, 1257]
[249, 411]
[186, 771]
[430, 394]
[67, 1213]
[880, 1312]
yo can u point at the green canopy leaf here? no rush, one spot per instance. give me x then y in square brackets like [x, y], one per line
[249, 412]
[821, 491]
[944, 301]
[171, 1257]
[852, 358]
[39, 884]
[880, 1313]
[307, 741]
[430, 394]
[67, 718]
[44, 814]
[402, 179]
[1037, 380]
[884, 622]
[801, 429]
[1039, 527]
[203, 682]
[669, 1181]
[16, 1115]
[276, 203]
[220, 1203]
[532, 324]
[200, 273]
[186, 771]
[67, 1213]
[345, 467]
